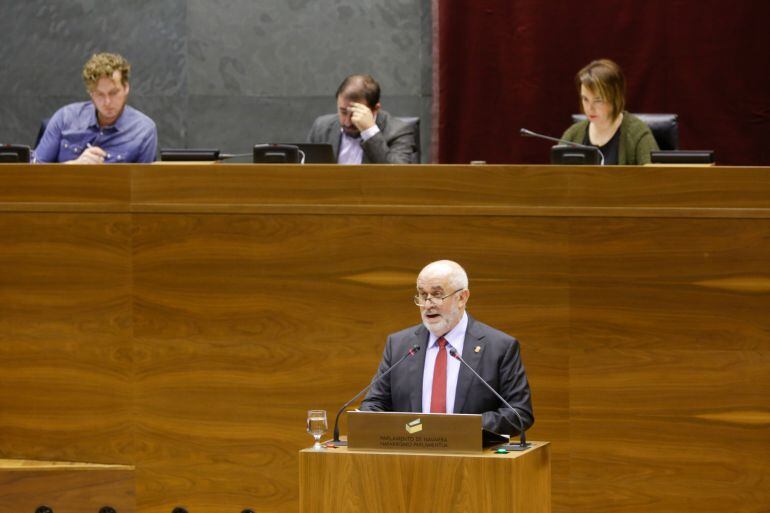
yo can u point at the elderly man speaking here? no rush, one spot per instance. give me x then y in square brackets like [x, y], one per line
[432, 382]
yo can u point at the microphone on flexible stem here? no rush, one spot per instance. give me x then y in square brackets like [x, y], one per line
[336, 442]
[522, 445]
[529, 133]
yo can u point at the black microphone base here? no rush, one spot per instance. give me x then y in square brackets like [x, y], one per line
[516, 447]
[336, 443]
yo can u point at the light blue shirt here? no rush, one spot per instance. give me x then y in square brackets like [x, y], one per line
[455, 338]
[133, 137]
[351, 151]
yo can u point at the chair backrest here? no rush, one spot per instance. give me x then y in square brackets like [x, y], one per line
[664, 127]
[41, 130]
[414, 121]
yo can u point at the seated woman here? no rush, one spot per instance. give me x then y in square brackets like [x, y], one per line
[622, 137]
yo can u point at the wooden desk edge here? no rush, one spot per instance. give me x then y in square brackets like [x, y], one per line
[485, 453]
[21, 465]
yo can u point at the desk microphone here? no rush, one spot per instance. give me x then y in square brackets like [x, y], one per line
[522, 445]
[529, 133]
[336, 440]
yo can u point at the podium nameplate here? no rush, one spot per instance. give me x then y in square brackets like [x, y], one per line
[419, 432]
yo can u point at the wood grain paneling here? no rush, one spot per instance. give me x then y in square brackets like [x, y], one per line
[184, 318]
[669, 387]
[691, 284]
[65, 337]
[244, 323]
[670, 430]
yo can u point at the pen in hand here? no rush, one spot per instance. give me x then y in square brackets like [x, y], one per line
[95, 155]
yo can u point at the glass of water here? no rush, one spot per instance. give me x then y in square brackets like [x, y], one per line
[317, 426]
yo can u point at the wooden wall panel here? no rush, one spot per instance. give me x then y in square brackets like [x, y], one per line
[686, 283]
[669, 381]
[669, 430]
[65, 337]
[184, 319]
[242, 323]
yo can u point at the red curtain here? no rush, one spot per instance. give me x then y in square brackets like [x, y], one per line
[500, 65]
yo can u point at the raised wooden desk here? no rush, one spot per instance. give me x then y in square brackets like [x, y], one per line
[65, 487]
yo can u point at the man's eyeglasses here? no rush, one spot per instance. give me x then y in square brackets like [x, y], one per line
[424, 299]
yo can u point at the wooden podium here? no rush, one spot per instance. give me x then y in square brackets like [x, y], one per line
[343, 481]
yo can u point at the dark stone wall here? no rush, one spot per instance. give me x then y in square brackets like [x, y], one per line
[223, 74]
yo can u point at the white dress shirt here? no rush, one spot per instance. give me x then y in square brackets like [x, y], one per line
[455, 338]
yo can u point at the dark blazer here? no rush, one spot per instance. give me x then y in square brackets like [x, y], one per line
[498, 362]
[395, 144]
[636, 139]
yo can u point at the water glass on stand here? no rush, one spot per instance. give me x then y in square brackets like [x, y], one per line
[317, 426]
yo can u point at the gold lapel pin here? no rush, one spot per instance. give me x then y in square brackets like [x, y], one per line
[477, 349]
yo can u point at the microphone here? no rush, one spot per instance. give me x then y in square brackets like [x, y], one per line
[522, 445]
[336, 442]
[529, 133]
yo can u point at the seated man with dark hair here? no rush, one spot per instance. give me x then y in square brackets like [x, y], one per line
[104, 129]
[361, 132]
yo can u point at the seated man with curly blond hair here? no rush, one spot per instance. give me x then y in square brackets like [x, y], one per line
[104, 129]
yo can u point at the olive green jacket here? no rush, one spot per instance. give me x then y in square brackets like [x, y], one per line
[636, 139]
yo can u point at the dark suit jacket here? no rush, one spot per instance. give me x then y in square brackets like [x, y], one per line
[498, 362]
[395, 144]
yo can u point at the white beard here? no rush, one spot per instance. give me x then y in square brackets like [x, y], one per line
[445, 324]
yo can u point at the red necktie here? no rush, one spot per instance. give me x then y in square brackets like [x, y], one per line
[438, 394]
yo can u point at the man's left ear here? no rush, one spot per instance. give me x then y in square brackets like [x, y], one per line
[464, 295]
[128, 87]
[376, 107]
